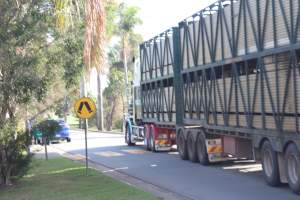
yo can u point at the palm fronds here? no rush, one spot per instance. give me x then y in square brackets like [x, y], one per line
[94, 35]
[66, 11]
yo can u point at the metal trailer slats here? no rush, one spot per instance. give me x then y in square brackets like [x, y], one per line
[158, 95]
[225, 30]
[239, 63]
[249, 82]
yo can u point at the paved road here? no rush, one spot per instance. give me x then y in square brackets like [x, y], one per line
[232, 181]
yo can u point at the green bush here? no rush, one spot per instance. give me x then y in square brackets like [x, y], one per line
[14, 158]
[48, 128]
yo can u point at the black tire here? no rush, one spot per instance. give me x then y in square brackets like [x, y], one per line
[192, 148]
[128, 138]
[152, 141]
[181, 146]
[270, 164]
[68, 139]
[201, 150]
[147, 142]
[292, 166]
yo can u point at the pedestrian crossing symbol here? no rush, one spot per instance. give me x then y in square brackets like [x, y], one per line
[85, 108]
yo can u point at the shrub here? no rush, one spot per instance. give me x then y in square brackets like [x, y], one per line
[48, 129]
[118, 124]
[14, 158]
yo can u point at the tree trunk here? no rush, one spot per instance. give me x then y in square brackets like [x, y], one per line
[107, 119]
[5, 170]
[28, 130]
[123, 108]
[4, 108]
[7, 180]
[1, 167]
[65, 108]
[112, 113]
[100, 103]
[1, 178]
[125, 69]
[45, 144]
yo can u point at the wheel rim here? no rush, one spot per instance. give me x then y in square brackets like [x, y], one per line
[267, 162]
[292, 169]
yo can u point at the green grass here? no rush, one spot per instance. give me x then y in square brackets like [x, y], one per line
[62, 179]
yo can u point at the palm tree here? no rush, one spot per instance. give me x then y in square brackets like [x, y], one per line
[94, 13]
[128, 21]
[94, 16]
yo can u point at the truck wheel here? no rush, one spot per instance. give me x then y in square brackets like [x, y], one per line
[68, 139]
[181, 146]
[152, 141]
[201, 150]
[147, 139]
[192, 148]
[128, 138]
[270, 164]
[292, 162]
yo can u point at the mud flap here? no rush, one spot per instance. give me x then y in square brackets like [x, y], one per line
[282, 170]
[163, 145]
[215, 150]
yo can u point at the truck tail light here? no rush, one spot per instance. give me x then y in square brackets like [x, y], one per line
[162, 136]
[173, 136]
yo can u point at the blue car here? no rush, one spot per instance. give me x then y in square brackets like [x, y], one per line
[64, 132]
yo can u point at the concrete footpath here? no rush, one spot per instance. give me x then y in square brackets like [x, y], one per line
[160, 192]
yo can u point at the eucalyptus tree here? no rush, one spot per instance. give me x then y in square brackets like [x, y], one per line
[26, 72]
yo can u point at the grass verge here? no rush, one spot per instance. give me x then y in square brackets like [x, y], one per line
[62, 179]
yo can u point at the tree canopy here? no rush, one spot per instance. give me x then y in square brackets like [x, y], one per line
[35, 58]
[26, 71]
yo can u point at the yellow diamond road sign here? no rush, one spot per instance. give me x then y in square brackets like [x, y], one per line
[85, 108]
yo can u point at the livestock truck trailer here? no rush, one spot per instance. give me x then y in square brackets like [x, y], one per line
[224, 84]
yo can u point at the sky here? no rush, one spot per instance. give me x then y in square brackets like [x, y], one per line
[158, 16]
